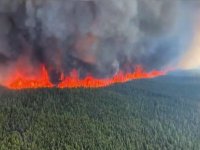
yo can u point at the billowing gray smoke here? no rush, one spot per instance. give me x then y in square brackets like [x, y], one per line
[94, 36]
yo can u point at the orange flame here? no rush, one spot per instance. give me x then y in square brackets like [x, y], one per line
[22, 81]
[42, 80]
[90, 82]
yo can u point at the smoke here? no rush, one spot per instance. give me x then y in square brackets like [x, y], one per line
[190, 59]
[98, 37]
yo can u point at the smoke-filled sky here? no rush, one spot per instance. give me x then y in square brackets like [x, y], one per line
[191, 58]
[99, 37]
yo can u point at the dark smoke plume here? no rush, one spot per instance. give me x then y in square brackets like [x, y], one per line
[97, 37]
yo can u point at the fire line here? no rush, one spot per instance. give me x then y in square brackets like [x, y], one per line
[21, 81]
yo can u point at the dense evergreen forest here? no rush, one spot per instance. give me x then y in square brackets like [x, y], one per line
[156, 114]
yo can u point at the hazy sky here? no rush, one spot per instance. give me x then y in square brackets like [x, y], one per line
[191, 58]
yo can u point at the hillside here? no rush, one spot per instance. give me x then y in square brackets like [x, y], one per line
[157, 114]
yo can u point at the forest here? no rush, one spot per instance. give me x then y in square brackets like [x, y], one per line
[151, 114]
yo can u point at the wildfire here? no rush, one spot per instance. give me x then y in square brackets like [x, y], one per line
[22, 81]
[90, 82]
